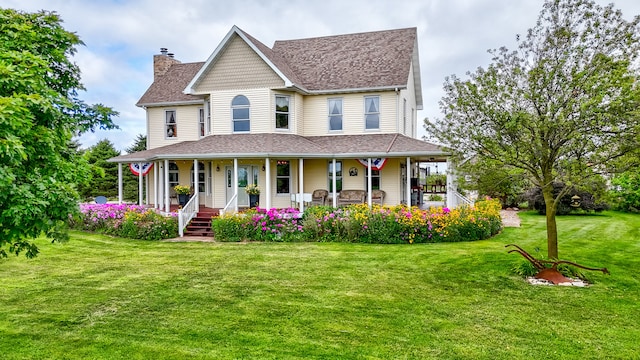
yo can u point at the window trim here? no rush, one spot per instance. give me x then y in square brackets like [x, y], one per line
[329, 115]
[168, 124]
[203, 183]
[202, 131]
[233, 119]
[175, 172]
[367, 113]
[288, 112]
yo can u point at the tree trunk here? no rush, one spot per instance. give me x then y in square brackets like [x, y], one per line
[552, 228]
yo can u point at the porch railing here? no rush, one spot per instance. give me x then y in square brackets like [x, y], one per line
[188, 212]
[224, 210]
[461, 199]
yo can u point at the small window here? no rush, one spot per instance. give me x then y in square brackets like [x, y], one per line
[240, 113]
[372, 112]
[404, 117]
[201, 122]
[335, 114]
[283, 177]
[173, 174]
[338, 176]
[282, 112]
[375, 179]
[170, 125]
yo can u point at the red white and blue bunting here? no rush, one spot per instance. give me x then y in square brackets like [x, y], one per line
[376, 163]
[135, 168]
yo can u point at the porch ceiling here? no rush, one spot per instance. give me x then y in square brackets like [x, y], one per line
[291, 146]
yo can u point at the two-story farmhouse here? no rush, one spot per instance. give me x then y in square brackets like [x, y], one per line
[300, 116]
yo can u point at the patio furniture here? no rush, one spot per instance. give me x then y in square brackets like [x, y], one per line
[348, 197]
[319, 197]
[377, 196]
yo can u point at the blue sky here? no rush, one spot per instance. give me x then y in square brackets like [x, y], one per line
[121, 38]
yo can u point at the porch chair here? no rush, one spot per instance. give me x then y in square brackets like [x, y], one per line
[319, 197]
[377, 196]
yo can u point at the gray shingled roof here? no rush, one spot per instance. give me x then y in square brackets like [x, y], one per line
[288, 145]
[371, 60]
[168, 88]
[351, 61]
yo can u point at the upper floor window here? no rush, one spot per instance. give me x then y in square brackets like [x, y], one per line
[282, 112]
[372, 112]
[201, 129]
[335, 114]
[240, 113]
[170, 125]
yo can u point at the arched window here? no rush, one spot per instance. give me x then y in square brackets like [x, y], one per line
[173, 174]
[240, 113]
[200, 177]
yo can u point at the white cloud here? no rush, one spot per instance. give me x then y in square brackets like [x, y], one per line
[121, 37]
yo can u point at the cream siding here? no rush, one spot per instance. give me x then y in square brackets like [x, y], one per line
[409, 127]
[316, 120]
[238, 67]
[187, 118]
[259, 111]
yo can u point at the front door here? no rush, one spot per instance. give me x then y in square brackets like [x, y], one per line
[247, 174]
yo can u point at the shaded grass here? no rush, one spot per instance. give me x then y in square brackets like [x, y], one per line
[103, 297]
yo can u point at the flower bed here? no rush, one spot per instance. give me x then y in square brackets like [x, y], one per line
[358, 223]
[130, 221]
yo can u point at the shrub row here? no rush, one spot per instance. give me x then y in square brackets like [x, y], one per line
[358, 223]
[128, 221]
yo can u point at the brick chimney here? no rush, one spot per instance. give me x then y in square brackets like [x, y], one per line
[162, 62]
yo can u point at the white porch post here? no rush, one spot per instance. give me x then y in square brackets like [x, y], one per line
[333, 184]
[167, 200]
[140, 180]
[146, 186]
[235, 182]
[119, 183]
[408, 169]
[301, 183]
[196, 187]
[451, 185]
[369, 182]
[267, 185]
[155, 185]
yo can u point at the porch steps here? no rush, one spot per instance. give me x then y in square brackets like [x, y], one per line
[200, 225]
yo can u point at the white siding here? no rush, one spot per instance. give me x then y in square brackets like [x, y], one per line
[411, 125]
[186, 123]
[260, 110]
[316, 120]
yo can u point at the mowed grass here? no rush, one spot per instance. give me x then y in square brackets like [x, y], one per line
[98, 297]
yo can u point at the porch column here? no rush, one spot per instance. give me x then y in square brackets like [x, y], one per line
[301, 183]
[146, 186]
[267, 183]
[333, 184]
[196, 187]
[235, 181]
[167, 200]
[140, 180]
[159, 184]
[451, 186]
[155, 185]
[369, 182]
[408, 169]
[119, 183]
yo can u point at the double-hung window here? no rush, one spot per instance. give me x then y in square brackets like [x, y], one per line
[173, 174]
[282, 112]
[201, 129]
[338, 176]
[375, 179]
[240, 112]
[335, 114]
[283, 177]
[372, 112]
[170, 125]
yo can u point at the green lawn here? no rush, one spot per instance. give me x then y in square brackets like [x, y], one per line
[97, 297]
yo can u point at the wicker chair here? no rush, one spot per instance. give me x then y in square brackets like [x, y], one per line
[319, 197]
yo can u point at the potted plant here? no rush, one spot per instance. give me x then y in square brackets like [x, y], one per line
[183, 192]
[254, 194]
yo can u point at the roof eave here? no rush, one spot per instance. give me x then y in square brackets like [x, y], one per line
[170, 103]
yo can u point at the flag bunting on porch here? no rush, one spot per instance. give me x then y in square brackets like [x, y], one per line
[135, 168]
[376, 163]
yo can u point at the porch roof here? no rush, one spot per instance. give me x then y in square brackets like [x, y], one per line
[274, 145]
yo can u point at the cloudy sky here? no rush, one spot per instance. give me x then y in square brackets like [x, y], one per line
[121, 37]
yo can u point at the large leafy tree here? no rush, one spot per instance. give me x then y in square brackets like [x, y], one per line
[562, 107]
[39, 113]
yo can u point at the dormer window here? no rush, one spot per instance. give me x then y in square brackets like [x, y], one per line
[170, 125]
[372, 112]
[240, 112]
